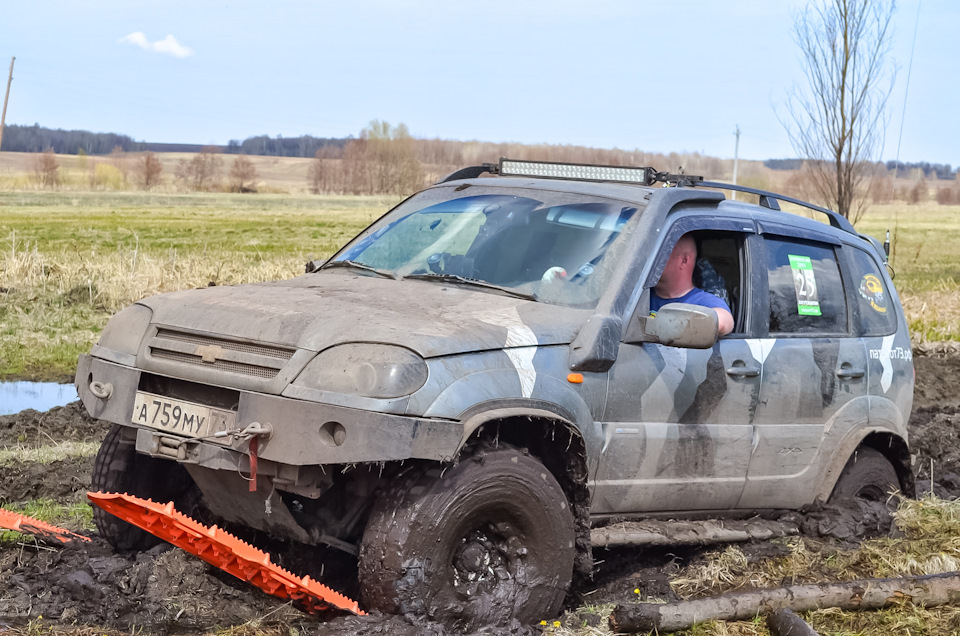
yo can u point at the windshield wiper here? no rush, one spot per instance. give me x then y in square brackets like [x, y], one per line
[359, 265]
[463, 280]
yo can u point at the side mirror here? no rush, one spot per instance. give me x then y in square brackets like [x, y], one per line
[676, 325]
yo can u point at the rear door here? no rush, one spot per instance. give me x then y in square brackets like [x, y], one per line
[815, 372]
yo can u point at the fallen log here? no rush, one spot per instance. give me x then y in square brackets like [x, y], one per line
[785, 623]
[929, 590]
[706, 532]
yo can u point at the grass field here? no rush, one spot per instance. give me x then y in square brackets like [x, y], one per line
[69, 260]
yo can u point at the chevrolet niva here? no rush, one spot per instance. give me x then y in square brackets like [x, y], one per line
[499, 364]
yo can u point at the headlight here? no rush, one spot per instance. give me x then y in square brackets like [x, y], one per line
[370, 370]
[126, 329]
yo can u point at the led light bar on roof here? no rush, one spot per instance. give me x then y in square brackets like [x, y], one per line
[580, 172]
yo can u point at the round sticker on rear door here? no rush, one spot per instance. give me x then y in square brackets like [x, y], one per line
[871, 289]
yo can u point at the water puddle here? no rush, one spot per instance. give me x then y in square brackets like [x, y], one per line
[41, 396]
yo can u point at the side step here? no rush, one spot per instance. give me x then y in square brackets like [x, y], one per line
[695, 533]
[29, 525]
[223, 550]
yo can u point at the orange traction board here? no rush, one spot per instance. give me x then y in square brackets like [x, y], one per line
[29, 525]
[223, 550]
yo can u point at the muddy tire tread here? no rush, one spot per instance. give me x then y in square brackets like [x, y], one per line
[387, 534]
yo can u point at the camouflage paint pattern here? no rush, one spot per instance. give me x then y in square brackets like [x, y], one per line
[754, 422]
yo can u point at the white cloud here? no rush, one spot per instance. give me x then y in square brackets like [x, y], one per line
[167, 46]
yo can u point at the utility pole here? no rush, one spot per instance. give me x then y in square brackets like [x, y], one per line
[3, 117]
[736, 156]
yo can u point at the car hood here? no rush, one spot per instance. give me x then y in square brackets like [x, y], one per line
[322, 309]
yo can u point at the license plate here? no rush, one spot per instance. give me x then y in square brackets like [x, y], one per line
[177, 416]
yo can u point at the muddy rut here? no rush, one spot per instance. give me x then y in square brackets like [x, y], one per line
[168, 591]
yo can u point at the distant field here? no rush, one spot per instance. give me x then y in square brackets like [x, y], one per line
[69, 260]
[924, 256]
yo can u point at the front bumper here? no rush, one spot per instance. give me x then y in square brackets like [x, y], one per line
[300, 428]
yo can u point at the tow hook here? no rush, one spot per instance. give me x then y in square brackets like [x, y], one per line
[256, 429]
[102, 390]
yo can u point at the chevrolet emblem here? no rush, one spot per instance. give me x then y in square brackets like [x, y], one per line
[209, 353]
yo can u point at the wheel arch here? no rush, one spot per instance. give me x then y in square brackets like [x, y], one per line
[892, 446]
[556, 442]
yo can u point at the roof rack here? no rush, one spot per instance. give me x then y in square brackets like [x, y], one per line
[640, 175]
[770, 200]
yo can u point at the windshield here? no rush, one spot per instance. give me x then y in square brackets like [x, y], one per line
[552, 246]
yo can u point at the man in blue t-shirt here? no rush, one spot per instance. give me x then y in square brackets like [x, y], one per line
[676, 285]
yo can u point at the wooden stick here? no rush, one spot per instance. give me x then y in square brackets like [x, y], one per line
[785, 623]
[929, 590]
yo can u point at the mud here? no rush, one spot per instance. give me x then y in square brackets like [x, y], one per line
[65, 480]
[166, 591]
[63, 423]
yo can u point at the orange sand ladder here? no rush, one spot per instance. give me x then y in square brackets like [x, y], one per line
[225, 551]
[29, 525]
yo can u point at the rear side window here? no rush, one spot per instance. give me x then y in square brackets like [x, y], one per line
[876, 313]
[806, 290]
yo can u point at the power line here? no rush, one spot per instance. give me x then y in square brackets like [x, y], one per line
[906, 90]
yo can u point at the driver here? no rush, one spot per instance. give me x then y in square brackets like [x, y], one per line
[676, 285]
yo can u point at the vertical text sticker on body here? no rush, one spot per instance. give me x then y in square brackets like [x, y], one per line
[806, 285]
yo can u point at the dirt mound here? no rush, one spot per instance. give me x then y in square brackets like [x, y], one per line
[61, 423]
[938, 376]
[160, 590]
[62, 480]
[935, 440]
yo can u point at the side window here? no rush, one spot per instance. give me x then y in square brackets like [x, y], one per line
[876, 316]
[806, 291]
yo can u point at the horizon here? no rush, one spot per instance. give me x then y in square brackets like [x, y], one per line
[619, 75]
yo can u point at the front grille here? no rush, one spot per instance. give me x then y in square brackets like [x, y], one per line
[253, 359]
[269, 351]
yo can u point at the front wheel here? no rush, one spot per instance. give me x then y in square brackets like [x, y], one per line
[480, 543]
[119, 468]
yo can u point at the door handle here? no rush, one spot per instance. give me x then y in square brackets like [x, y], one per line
[849, 372]
[739, 370]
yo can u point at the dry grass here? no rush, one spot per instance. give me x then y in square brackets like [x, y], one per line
[47, 454]
[930, 544]
[923, 240]
[69, 260]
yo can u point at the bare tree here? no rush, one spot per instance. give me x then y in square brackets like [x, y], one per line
[242, 174]
[202, 171]
[836, 125]
[46, 169]
[149, 169]
[118, 158]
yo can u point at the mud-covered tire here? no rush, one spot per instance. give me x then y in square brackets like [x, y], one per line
[119, 468]
[868, 475]
[479, 543]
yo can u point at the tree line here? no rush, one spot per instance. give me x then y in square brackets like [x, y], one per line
[36, 138]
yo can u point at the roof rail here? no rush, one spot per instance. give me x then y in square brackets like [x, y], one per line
[637, 175]
[770, 199]
[470, 172]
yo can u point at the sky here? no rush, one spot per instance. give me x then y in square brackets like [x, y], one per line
[661, 76]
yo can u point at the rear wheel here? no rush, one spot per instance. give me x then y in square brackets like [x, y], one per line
[480, 543]
[119, 468]
[868, 475]
[869, 479]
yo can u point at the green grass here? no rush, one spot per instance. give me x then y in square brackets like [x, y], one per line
[924, 241]
[47, 454]
[76, 517]
[69, 260]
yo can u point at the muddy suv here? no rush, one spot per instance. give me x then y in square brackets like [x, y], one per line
[458, 395]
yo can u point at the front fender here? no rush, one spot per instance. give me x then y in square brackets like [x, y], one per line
[486, 395]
